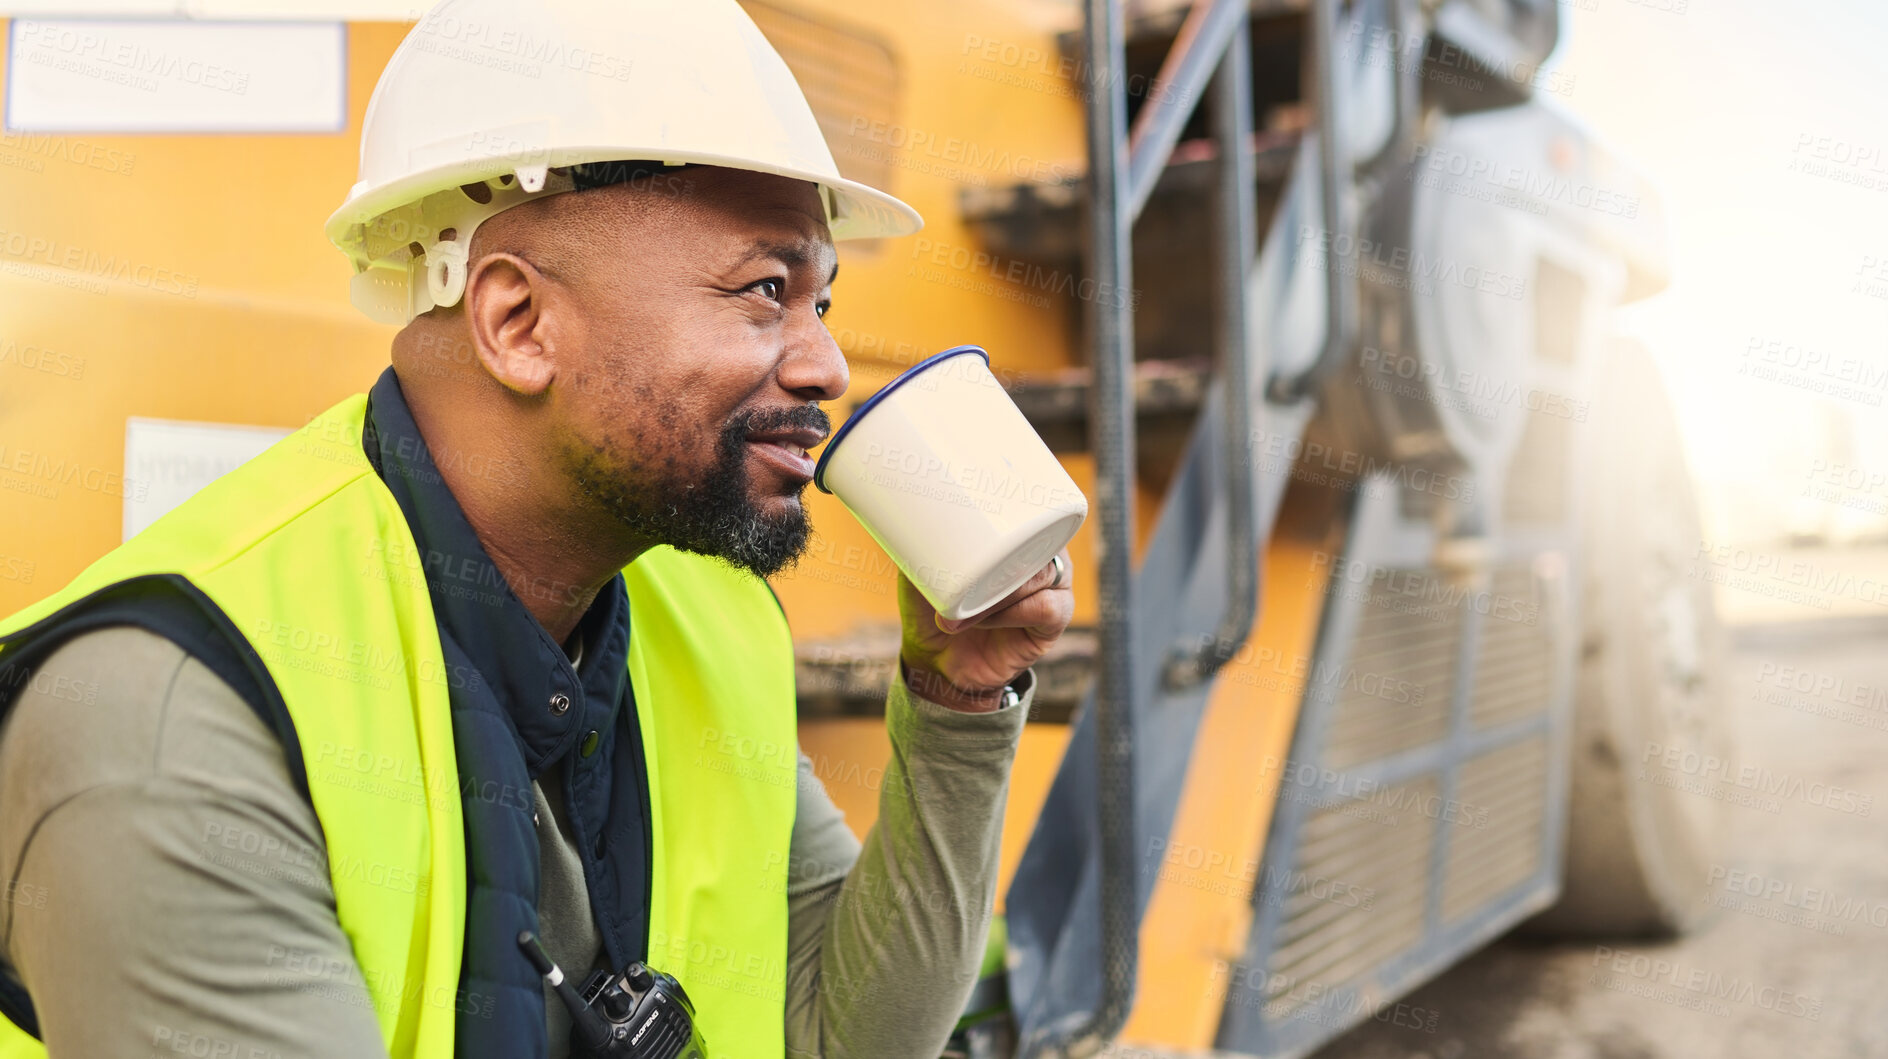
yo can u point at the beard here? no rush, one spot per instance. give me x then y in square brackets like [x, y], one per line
[712, 512]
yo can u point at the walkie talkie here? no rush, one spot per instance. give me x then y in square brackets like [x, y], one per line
[639, 1014]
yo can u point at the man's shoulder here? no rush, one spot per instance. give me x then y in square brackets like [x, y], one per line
[137, 683]
[177, 619]
[149, 813]
[89, 711]
[111, 705]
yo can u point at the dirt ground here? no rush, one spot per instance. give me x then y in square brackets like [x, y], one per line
[1794, 962]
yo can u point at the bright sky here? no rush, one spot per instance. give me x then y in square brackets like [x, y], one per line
[1716, 102]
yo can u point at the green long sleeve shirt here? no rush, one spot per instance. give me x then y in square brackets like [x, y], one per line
[167, 888]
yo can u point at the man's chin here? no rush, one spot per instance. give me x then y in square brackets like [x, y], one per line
[779, 506]
[773, 540]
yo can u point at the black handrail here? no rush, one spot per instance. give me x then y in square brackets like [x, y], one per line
[1111, 426]
[1334, 172]
[1190, 661]
[1120, 180]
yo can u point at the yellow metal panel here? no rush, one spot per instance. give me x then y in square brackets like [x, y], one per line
[1201, 910]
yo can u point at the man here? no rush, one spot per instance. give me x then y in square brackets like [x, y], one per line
[487, 650]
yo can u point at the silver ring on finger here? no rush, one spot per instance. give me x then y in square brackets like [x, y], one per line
[1061, 571]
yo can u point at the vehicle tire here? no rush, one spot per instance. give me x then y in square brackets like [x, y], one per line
[1650, 681]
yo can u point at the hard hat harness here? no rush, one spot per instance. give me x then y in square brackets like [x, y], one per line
[421, 251]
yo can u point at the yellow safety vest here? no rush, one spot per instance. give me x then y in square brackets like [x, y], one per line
[309, 555]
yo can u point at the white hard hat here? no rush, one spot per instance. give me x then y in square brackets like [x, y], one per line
[488, 103]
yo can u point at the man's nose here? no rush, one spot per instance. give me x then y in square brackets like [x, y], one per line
[813, 368]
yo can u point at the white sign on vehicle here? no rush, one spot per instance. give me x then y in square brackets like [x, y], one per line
[73, 75]
[168, 460]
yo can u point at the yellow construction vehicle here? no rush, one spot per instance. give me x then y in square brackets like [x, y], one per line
[1386, 640]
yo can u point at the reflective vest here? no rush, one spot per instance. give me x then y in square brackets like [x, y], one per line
[310, 557]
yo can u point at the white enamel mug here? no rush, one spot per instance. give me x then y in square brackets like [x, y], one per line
[949, 478]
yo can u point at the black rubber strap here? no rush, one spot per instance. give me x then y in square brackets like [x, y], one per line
[168, 606]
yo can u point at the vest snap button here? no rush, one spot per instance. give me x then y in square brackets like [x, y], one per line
[589, 744]
[560, 703]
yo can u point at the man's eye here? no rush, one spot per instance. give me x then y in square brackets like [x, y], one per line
[768, 288]
[823, 308]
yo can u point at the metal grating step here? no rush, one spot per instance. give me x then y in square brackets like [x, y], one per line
[1403, 837]
[1499, 845]
[1514, 672]
[1370, 857]
[1377, 711]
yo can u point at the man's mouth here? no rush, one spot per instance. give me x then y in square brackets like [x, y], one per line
[786, 450]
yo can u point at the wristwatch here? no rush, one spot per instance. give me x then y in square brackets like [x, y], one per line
[1013, 692]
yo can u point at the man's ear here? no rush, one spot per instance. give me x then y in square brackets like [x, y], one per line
[506, 299]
